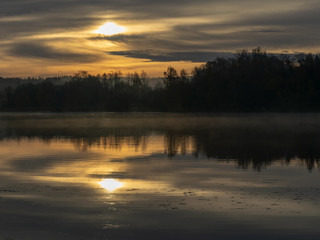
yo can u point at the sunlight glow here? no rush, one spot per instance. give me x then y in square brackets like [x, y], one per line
[110, 184]
[110, 28]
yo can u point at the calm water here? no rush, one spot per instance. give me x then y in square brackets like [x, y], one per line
[156, 176]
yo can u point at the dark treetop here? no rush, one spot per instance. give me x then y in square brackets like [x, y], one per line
[248, 82]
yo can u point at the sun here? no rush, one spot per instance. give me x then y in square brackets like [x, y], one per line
[110, 28]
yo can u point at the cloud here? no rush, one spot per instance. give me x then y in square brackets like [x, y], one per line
[33, 50]
[173, 56]
[66, 14]
[196, 40]
[158, 30]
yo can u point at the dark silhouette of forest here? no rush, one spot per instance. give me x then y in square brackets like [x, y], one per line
[249, 82]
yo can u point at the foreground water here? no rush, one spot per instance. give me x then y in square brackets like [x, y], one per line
[156, 176]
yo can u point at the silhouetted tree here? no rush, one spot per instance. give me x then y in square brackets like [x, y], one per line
[249, 82]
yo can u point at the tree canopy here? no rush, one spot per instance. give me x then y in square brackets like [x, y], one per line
[249, 82]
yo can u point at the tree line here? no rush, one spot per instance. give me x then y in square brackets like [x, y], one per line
[248, 82]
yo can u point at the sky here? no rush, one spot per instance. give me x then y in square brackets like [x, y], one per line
[61, 37]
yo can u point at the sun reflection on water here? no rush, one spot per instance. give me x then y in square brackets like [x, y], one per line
[110, 184]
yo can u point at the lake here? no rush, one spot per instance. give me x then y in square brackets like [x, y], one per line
[159, 176]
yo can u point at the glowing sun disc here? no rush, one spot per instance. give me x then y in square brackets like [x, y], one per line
[110, 28]
[110, 184]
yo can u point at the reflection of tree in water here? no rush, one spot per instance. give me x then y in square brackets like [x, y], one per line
[178, 144]
[250, 145]
[256, 149]
[111, 142]
[83, 139]
[312, 163]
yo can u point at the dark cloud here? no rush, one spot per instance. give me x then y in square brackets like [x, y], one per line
[61, 13]
[207, 27]
[118, 175]
[307, 17]
[196, 40]
[173, 56]
[33, 50]
[29, 26]
[267, 31]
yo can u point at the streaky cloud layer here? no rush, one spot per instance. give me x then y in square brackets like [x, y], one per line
[53, 32]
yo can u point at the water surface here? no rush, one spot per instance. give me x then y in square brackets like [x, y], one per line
[157, 176]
